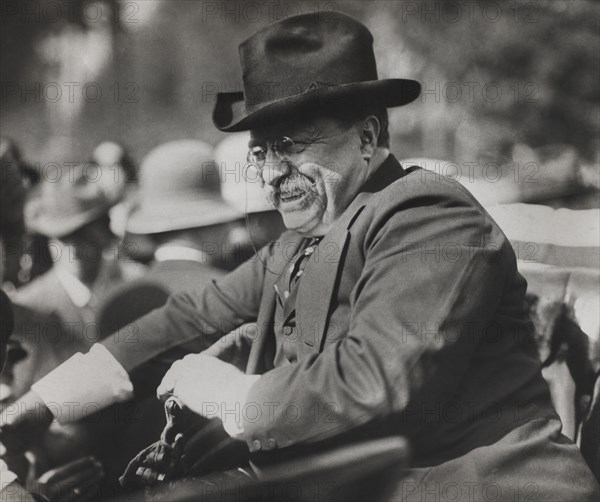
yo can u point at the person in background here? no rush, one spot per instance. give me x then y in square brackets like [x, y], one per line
[55, 315]
[182, 212]
[113, 155]
[122, 176]
[71, 210]
[12, 160]
[262, 224]
[74, 482]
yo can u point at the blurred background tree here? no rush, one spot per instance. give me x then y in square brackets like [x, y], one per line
[504, 81]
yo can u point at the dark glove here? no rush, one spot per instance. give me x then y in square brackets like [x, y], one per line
[161, 461]
[76, 481]
[155, 464]
[190, 446]
[24, 422]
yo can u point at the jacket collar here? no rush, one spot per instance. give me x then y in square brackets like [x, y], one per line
[388, 172]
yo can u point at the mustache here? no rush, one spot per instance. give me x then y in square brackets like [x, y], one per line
[295, 182]
[289, 184]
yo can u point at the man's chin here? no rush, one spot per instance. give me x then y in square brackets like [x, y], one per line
[302, 222]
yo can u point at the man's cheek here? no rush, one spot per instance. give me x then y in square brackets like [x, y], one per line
[313, 170]
[332, 182]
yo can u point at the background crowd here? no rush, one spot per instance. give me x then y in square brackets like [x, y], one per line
[120, 207]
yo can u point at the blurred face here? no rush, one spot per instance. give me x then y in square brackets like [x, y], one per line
[311, 171]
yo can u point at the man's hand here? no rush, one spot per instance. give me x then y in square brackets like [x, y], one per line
[209, 387]
[199, 381]
[212, 383]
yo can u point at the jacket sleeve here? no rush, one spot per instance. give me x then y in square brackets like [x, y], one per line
[434, 274]
[106, 374]
[209, 312]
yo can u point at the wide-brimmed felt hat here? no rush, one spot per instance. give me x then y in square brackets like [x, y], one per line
[180, 188]
[70, 196]
[307, 62]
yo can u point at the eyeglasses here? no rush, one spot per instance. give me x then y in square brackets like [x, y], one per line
[283, 148]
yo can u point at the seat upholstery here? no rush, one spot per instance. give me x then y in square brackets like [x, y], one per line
[559, 255]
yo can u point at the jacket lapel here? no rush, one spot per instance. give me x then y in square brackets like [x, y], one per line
[321, 277]
[262, 352]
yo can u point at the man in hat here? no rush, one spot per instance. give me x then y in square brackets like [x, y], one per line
[66, 482]
[393, 306]
[182, 211]
[70, 207]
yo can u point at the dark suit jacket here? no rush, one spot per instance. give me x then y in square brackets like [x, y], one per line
[411, 320]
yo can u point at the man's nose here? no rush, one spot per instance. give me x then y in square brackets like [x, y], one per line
[274, 169]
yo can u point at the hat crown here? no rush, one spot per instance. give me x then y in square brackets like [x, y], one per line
[314, 62]
[176, 169]
[299, 53]
[180, 188]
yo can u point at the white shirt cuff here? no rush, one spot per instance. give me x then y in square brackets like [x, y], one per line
[235, 399]
[84, 384]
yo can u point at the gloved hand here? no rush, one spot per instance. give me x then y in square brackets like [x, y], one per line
[190, 446]
[161, 461]
[23, 422]
[76, 481]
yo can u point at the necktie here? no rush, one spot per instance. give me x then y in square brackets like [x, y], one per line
[292, 277]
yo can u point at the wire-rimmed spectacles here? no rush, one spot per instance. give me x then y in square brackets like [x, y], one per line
[282, 147]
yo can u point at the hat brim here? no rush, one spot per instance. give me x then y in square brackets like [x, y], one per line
[180, 215]
[57, 226]
[230, 113]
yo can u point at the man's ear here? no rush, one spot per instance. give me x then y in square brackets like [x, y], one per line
[369, 135]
